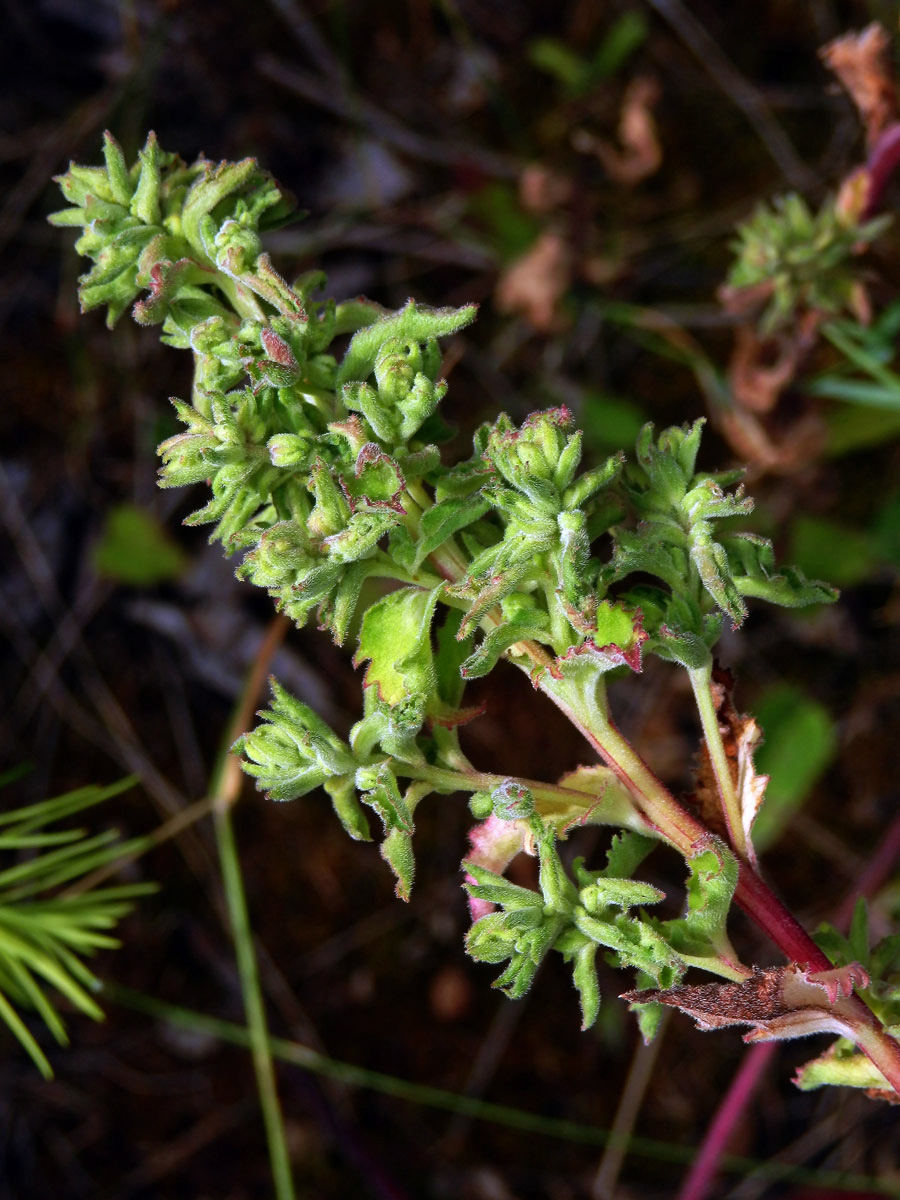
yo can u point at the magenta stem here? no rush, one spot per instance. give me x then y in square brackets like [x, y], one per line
[874, 875]
[703, 1170]
[761, 904]
[883, 160]
[756, 900]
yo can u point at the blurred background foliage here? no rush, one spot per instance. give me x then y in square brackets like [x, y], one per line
[578, 170]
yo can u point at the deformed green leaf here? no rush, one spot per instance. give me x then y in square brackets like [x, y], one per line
[294, 751]
[396, 639]
[414, 323]
[841, 1065]
[342, 790]
[525, 626]
[446, 518]
[700, 937]
[397, 852]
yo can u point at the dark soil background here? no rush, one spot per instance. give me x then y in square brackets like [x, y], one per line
[404, 128]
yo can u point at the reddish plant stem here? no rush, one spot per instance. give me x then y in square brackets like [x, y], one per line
[764, 907]
[761, 904]
[766, 911]
[883, 160]
[753, 1067]
[684, 831]
[875, 873]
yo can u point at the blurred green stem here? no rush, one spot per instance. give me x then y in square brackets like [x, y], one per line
[224, 790]
[514, 1118]
[701, 682]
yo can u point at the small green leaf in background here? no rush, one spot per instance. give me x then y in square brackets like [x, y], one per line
[579, 74]
[499, 217]
[626, 36]
[135, 549]
[829, 550]
[886, 531]
[800, 742]
[852, 428]
[610, 422]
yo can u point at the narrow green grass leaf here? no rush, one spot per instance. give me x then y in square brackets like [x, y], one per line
[485, 1110]
[35, 997]
[19, 1030]
[42, 872]
[36, 816]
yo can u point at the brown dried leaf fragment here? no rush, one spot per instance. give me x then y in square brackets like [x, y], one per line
[862, 63]
[777, 1003]
[543, 190]
[783, 453]
[640, 153]
[740, 737]
[535, 283]
[761, 368]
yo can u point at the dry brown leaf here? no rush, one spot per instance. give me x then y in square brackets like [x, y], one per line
[640, 153]
[535, 283]
[603, 269]
[542, 190]
[751, 786]
[761, 368]
[740, 737]
[746, 301]
[759, 371]
[777, 1003]
[862, 62]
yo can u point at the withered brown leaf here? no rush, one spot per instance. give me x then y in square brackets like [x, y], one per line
[862, 62]
[741, 735]
[777, 1003]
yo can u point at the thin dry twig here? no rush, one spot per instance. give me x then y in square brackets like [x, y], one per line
[637, 1082]
[358, 111]
[738, 89]
[639, 153]
[484, 1066]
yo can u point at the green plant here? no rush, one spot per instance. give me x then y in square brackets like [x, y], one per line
[51, 919]
[325, 475]
[792, 260]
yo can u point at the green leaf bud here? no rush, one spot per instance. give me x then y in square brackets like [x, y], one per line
[512, 801]
[120, 186]
[362, 397]
[146, 200]
[290, 450]
[332, 512]
[413, 323]
[481, 805]
[294, 752]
